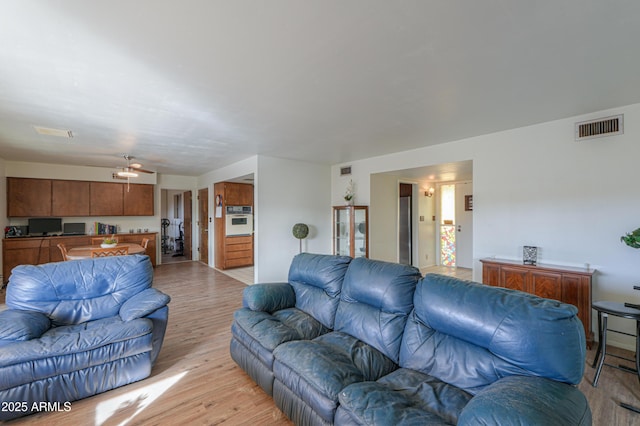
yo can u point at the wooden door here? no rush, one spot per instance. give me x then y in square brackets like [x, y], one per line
[186, 199]
[203, 224]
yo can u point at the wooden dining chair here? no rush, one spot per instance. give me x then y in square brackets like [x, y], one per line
[63, 250]
[144, 243]
[106, 252]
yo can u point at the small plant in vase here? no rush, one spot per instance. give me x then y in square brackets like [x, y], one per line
[349, 194]
[109, 242]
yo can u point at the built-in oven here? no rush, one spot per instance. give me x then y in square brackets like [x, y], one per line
[239, 220]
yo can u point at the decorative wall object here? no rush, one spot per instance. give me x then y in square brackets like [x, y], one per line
[530, 255]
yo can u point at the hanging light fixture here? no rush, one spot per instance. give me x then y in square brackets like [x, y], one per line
[127, 173]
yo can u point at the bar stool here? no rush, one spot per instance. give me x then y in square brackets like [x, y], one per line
[622, 310]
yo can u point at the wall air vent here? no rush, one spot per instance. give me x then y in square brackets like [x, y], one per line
[600, 127]
[344, 171]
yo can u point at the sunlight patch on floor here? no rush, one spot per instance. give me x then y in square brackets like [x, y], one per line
[120, 410]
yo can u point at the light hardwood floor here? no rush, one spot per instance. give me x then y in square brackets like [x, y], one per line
[195, 381]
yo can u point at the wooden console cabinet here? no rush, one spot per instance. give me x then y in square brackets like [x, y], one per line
[566, 284]
[39, 250]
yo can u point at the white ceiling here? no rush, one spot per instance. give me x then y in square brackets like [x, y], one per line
[189, 86]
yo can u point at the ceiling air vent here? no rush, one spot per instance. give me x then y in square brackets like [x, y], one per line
[600, 127]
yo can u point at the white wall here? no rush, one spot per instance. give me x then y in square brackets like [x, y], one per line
[537, 186]
[289, 192]
[383, 217]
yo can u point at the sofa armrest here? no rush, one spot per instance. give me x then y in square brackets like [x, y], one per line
[143, 303]
[17, 325]
[524, 400]
[269, 297]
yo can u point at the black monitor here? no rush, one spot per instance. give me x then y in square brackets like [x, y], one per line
[42, 226]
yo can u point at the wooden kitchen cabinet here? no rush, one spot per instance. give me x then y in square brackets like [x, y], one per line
[238, 194]
[138, 200]
[28, 197]
[70, 198]
[238, 251]
[107, 199]
[566, 284]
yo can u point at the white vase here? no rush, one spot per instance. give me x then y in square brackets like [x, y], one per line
[103, 245]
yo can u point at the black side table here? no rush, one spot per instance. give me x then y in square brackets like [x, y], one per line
[622, 310]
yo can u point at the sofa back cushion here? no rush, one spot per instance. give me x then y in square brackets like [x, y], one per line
[470, 335]
[375, 301]
[317, 281]
[76, 291]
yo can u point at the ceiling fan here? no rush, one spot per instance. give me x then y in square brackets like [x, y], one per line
[131, 169]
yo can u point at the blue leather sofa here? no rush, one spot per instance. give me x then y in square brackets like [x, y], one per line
[78, 328]
[433, 350]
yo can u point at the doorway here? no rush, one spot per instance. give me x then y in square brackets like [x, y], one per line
[175, 224]
[203, 224]
[405, 224]
[456, 225]
[425, 220]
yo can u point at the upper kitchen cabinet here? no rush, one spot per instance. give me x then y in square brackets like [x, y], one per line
[70, 198]
[238, 194]
[107, 199]
[28, 197]
[138, 200]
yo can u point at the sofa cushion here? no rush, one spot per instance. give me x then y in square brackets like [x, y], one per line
[77, 291]
[71, 348]
[319, 369]
[16, 325]
[375, 301]
[490, 333]
[401, 397]
[317, 280]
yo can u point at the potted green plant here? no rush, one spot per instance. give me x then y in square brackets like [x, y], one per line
[349, 193]
[632, 239]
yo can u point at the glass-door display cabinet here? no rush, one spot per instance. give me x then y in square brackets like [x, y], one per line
[351, 231]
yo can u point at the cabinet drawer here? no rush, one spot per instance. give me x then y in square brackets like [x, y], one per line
[238, 254]
[242, 261]
[245, 239]
[238, 247]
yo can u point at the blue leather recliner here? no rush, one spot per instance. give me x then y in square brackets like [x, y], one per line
[78, 328]
[274, 313]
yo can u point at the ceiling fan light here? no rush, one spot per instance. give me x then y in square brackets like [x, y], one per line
[127, 173]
